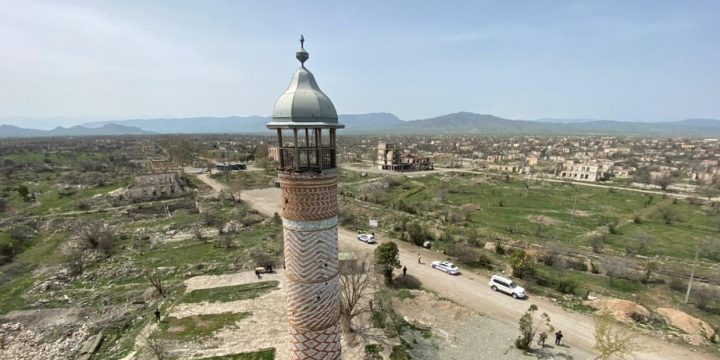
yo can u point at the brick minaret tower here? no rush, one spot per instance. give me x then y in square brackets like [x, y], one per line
[305, 120]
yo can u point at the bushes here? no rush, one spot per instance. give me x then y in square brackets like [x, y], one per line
[347, 217]
[95, 235]
[567, 286]
[678, 284]
[523, 264]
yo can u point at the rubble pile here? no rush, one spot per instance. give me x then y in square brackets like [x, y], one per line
[20, 342]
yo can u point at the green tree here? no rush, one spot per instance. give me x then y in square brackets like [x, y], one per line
[387, 258]
[528, 328]
[522, 263]
[609, 341]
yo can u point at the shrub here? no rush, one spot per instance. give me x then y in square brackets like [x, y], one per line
[578, 265]
[499, 248]
[567, 286]
[704, 297]
[523, 264]
[485, 261]
[74, 263]
[677, 284]
[463, 252]
[669, 215]
[597, 241]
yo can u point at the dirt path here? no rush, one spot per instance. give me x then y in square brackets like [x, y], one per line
[471, 290]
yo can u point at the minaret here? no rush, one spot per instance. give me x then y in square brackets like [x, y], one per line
[305, 120]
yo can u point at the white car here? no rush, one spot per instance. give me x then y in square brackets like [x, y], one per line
[499, 283]
[367, 238]
[446, 266]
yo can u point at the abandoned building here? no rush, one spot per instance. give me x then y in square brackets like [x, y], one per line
[392, 157]
[584, 172]
[158, 185]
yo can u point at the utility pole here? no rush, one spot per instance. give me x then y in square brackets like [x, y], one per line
[692, 272]
[577, 191]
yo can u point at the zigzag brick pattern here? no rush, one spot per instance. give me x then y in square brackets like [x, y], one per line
[315, 345]
[308, 197]
[313, 306]
[311, 265]
[311, 256]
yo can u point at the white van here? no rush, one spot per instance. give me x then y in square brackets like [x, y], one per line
[499, 283]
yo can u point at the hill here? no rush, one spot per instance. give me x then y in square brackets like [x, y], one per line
[7, 131]
[242, 125]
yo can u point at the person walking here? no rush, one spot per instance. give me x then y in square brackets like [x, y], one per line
[541, 339]
[404, 270]
[419, 259]
[558, 337]
[257, 273]
[157, 314]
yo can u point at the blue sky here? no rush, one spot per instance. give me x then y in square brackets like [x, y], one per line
[625, 60]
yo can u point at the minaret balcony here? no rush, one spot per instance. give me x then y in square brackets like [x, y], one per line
[306, 159]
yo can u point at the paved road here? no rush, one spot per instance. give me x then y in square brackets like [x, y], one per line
[472, 290]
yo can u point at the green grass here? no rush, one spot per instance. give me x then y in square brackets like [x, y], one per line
[193, 327]
[405, 294]
[231, 293]
[265, 354]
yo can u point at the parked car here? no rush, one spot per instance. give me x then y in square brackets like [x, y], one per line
[446, 266]
[499, 283]
[367, 238]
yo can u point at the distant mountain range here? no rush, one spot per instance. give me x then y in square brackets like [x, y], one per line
[387, 123]
[107, 129]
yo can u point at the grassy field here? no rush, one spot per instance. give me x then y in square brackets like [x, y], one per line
[538, 212]
[198, 326]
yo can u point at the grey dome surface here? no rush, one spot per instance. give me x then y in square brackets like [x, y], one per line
[303, 104]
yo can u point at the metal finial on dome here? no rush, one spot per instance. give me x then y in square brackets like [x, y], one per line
[302, 55]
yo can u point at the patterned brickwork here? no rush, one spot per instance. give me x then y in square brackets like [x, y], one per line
[315, 345]
[313, 306]
[311, 256]
[309, 210]
[308, 196]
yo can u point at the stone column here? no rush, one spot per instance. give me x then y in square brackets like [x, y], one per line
[309, 211]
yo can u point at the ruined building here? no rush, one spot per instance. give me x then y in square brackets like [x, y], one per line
[158, 184]
[392, 157]
[308, 181]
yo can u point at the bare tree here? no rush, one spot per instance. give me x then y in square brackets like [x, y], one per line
[638, 243]
[609, 341]
[74, 262]
[96, 235]
[664, 181]
[197, 231]
[156, 347]
[615, 267]
[155, 280]
[355, 285]
[235, 188]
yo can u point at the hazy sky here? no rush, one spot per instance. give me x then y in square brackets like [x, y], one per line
[625, 60]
